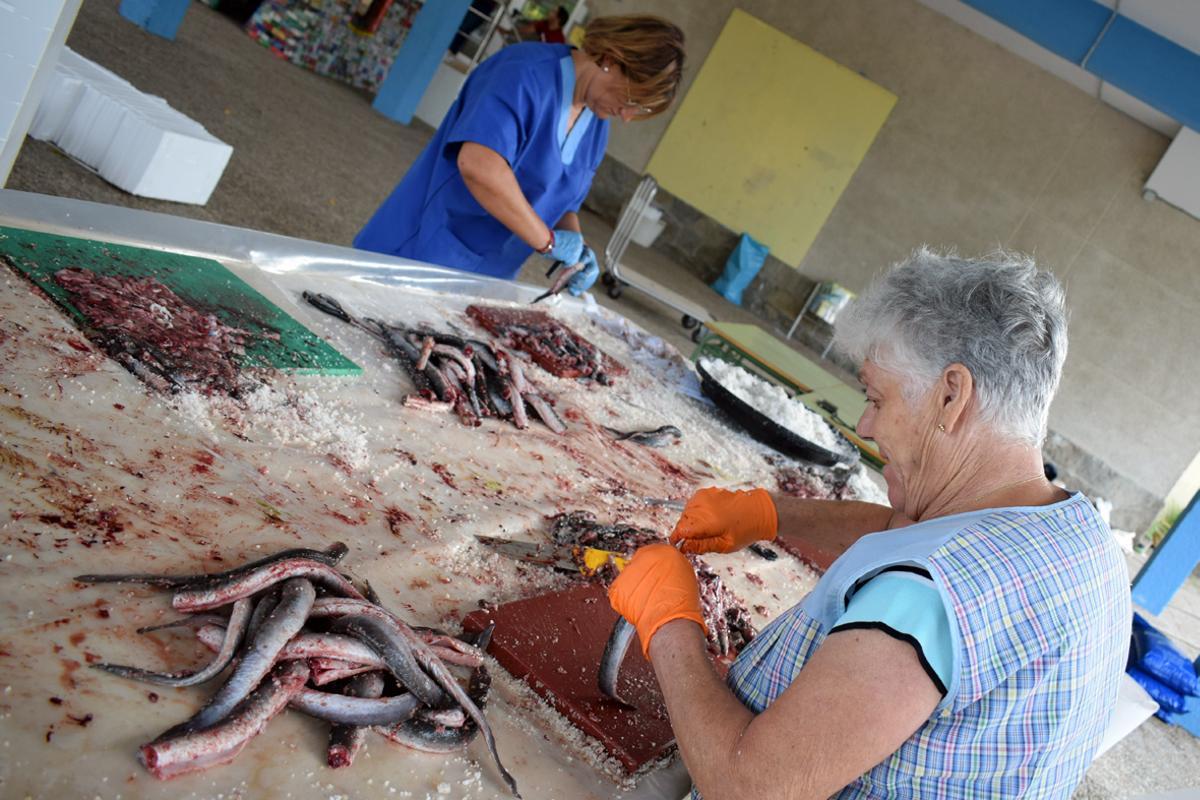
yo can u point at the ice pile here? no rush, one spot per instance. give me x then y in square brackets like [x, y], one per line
[135, 141]
[773, 403]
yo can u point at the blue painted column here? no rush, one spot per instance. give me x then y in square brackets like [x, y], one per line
[160, 17]
[423, 49]
[1172, 562]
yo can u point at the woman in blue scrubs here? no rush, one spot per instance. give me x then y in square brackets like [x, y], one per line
[512, 162]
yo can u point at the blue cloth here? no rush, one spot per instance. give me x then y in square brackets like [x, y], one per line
[515, 103]
[1039, 609]
[907, 606]
[742, 265]
[1156, 655]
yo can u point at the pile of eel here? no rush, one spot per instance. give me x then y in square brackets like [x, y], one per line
[299, 634]
[727, 620]
[474, 378]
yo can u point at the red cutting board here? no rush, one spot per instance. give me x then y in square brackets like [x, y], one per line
[554, 642]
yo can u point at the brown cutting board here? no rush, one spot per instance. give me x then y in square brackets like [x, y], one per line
[554, 642]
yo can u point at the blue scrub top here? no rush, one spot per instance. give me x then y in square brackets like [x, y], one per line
[515, 103]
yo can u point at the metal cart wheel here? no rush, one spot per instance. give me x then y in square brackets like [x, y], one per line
[615, 290]
[607, 279]
[698, 333]
[688, 322]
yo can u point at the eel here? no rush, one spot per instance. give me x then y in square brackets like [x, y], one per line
[348, 649]
[396, 651]
[259, 655]
[330, 557]
[356, 710]
[215, 595]
[394, 629]
[614, 654]
[426, 735]
[192, 751]
[658, 437]
[346, 740]
[232, 639]
[472, 646]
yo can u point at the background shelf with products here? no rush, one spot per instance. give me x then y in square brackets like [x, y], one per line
[354, 41]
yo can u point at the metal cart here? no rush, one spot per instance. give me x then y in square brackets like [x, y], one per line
[618, 277]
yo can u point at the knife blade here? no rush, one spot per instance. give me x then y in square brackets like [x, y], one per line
[677, 505]
[569, 558]
[546, 555]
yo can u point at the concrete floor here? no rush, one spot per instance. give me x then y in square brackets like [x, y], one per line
[312, 159]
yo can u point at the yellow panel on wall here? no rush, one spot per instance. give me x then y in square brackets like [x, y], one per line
[768, 136]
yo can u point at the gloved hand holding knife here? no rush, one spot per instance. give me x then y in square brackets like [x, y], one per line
[659, 584]
[722, 521]
[576, 279]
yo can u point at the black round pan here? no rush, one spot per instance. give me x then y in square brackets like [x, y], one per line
[772, 433]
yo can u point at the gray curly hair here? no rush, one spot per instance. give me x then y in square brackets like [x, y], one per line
[998, 315]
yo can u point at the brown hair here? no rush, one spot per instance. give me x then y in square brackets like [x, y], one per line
[648, 49]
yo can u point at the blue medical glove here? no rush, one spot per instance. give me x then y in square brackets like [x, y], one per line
[568, 247]
[582, 280]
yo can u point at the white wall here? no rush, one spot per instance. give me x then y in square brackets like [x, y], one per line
[985, 149]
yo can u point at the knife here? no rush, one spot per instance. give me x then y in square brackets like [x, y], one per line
[562, 557]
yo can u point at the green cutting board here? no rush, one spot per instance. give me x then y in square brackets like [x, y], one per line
[201, 282]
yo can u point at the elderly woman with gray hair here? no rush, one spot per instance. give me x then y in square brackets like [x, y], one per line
[970, 640]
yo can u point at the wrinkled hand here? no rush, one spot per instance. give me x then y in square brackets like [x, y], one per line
[568, 247]
[720, 521]
[657, 586]
[582, 280]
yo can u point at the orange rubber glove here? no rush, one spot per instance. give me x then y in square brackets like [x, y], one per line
[721, 521]
[657, 585]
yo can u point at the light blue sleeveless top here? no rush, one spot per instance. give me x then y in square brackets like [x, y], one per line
[1039, 609]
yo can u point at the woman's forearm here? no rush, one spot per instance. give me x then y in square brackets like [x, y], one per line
[705, 716]
[832, 525]
[492, 183]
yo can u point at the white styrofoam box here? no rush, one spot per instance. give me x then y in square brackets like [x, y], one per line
[1176, 179]
[192, 161]
[133, 140]
[648, 227]
[60, 100]
[32, 33]
[1134, 706]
